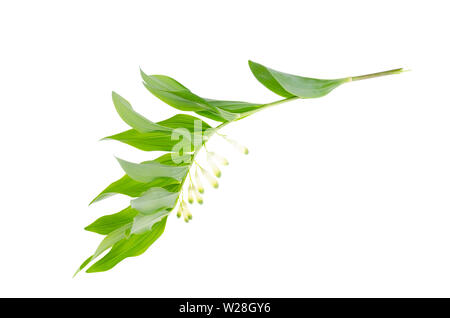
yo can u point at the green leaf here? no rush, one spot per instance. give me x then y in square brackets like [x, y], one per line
[150, 141]
[83, 265]
[218, 114]
[178, 96]
[108, 223]
[211, 115]
[188, 122]
[160, 140]
[149, 171]
[288, 85]
[233, 106]
[135, 245]
[143, 223]
[133, 188]
[173, 93]
[111, 239]
[167, 159]
[155, 200]
[132, 118]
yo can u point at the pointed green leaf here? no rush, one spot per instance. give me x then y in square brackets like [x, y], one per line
[288, 85]
[150, 141]
[135, 245]
[173, 93]
[112, 238]
[234, 106]
[132, 118]
[146, 172]
[83, 265]
[160, 140]
[167, 159]
[133, 188]
[218, 114]
[178, 96]
[143, 223]
[155, 200]
[211, 115]
[188, 122]
[264, 76]
[108, 223]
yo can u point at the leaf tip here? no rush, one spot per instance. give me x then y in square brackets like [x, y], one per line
[78, 270]
[143, 75]
[119, 160]
[251, 64]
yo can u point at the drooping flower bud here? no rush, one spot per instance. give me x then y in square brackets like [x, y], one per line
[222, 160]
[212, 181]
[237, 145]
[190, 193]
[214, 168]
[198, 182]
[180, 210]
[185, 211]
[198, 197]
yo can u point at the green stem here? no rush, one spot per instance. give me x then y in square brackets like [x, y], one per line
[278, 102]
[378, 74]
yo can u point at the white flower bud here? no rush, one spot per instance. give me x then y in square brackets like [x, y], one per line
[238, 146]
[212, 181]
[222, 160]
[198, 182]
[198, 197]
[190, 193]
[214, 168]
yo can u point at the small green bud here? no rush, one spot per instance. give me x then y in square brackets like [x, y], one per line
[186, 213]
[212, 181]
[198, 181]
[198, 197]
[190, 194]
[214, 168]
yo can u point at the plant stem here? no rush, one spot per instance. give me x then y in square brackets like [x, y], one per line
[264, 106]
[378, 74]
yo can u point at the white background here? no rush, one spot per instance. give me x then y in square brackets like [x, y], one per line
[347, 195]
